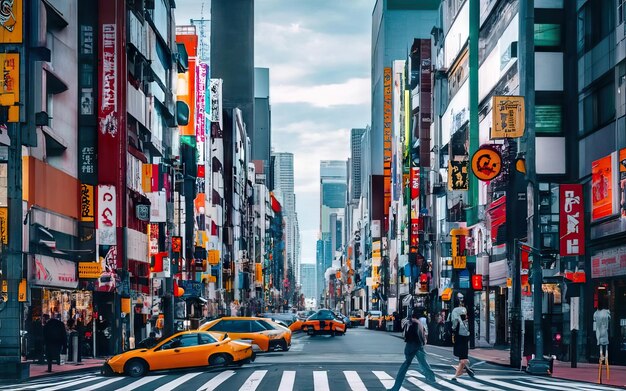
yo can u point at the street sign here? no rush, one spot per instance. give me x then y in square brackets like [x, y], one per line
[507, 117]
[486, 163]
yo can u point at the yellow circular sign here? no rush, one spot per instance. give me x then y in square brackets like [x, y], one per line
[486, 163]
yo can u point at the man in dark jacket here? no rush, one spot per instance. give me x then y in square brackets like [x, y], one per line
[415, 336]
[55, 338]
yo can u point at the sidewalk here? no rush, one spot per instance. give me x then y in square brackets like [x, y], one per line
[587, 372]
[39, 370]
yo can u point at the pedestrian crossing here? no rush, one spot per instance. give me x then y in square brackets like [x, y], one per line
[313, 378]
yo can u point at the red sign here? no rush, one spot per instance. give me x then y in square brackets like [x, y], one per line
[477, 282]
[415, 182]
[572, 222]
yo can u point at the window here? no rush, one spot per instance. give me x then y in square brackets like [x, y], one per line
[240, 326]
[265, 324]
[206, 339]
[620, 11]
[548, 119]
[223, 325]
[256, 327]
[547, 35]
[188, 340]
[596, 20]
[597, 108]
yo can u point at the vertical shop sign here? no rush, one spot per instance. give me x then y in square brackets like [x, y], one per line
[507, 117]
[201, 74]
[107, 215]
[86, 202]
[387, 148]
[572, 220]
[108, 82]
[10, 84]
[622, 181]
[4, 224]
[457, 175]
[11, 12]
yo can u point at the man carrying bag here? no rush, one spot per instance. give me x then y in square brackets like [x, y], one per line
[415, 336]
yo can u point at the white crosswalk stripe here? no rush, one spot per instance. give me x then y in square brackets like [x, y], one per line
[355, 382]
[253, 381]
[287, 381]
[318, 379]
[216, 381]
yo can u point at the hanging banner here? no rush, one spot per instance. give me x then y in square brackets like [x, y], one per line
[507, 117]
[387, 147]
[4, 224]
[571, 220]
[10, 83]
[201, 74]
[486, 163]
[106, 215]
[603, 186]
[11, 12]
[86, 202]
[457, 175]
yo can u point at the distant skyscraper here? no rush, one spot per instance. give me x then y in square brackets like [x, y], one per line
[262, 136]
[308, 280]
[333, 186]
[284, 189]
[355, 163]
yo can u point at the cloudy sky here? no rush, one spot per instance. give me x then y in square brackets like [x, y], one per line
[318, 53]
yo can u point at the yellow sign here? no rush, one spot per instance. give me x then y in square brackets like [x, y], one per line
[4, 224]
[11, 21]
[486, 163]
[214, 257]
[89, 270]
[447, 294]
[86, 202]
[459, 262]
[507, 117]
[10, 83]
[207, 278]
[21, 292]
[5, 286]
[509, 282]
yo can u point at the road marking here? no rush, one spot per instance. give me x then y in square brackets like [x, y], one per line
[66, 384]
[426, 386]
[566, 384]
[493, 381]
[478, 363]
[421, 384]
[177, 382]
[101, 384]
[38, 384]
[287, 381]
[216, 381]
[355, 382]
[253, 381]
[386, 379]
[134, 385]
[320, 380]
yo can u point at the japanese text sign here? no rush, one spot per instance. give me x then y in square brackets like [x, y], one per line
[571, 220]
[508, 117]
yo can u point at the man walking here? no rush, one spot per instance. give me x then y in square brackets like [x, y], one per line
[461, 337]
[55, 338]
[415, 336]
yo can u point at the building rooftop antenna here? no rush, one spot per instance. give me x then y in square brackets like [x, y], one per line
[203, 50]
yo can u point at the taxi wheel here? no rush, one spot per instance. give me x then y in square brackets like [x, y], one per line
[311, 332]
[135, 368]
[220, 359]
[283, 346]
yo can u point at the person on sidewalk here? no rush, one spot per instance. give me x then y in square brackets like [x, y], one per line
[55, 339]
[415, 336]
[461, 337]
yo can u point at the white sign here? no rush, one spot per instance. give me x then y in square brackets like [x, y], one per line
[56, 272]
[574, 313]
[157, 207]
[107, 215]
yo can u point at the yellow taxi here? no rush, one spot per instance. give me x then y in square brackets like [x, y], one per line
[296, 326]
[356, 318]
[324, 322]
[273, 325]
[181, 350]
[249, 328]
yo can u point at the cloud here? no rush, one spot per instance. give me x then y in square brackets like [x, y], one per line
[350, 92]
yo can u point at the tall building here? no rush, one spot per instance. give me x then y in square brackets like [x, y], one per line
[232, 55]
[284, 191]
[262, 135]
[394, 25]
[307, 280]
[355, 163]
[333, 187]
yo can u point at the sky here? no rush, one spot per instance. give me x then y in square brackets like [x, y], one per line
[318, 53]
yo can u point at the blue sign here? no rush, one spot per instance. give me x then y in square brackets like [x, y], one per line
[464, 279]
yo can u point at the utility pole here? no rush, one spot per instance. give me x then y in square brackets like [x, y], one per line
[472, 212]
[537, 366]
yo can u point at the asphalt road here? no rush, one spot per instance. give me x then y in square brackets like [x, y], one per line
[360, 360]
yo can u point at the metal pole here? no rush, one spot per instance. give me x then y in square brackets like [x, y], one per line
[527, 88]
[516, 311]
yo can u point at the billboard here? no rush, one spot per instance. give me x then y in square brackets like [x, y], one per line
[507, 117]
[604, 199]
[11, 12]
